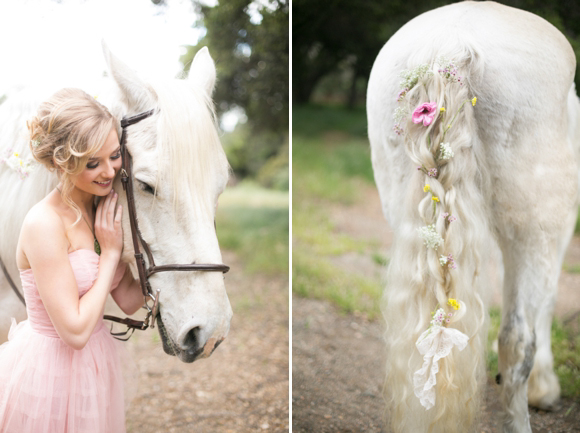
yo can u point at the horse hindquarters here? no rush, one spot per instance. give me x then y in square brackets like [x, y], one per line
[535, 198]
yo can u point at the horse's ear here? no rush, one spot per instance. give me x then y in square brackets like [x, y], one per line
[202, 71]
[137, 94]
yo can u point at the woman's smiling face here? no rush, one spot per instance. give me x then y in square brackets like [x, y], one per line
[97, 177]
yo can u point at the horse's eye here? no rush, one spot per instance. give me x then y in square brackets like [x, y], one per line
[146, 187]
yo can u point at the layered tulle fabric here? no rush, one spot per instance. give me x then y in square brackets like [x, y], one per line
[48, 387]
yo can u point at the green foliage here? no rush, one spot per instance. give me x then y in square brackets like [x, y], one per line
[320, 50]
[494, 324]
[319, 278]
[252, 66]
[316, 120]
[344, 58]
[254, 223]
[331, 159]
[331, 165]
[259, 156]
[566, 350]
[334, 172]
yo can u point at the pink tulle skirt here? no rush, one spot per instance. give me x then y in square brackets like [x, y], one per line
[48, 387]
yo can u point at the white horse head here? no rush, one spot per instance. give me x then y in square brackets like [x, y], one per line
[179, 170]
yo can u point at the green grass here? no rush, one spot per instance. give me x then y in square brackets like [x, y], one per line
[331, 166]
[320, 279]
[494, 323]
[566, 350]
[314, 120]
[253, 222]
[573, 269]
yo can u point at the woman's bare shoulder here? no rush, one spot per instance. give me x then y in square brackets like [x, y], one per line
[43, 221]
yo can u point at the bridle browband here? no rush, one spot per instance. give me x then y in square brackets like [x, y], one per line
[144, 271]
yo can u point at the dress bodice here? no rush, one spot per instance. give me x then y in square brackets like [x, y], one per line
[85, 266]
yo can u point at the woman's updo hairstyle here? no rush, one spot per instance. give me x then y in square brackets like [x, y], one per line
[68, 129]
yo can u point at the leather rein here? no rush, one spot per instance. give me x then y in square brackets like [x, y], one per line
[144, 271]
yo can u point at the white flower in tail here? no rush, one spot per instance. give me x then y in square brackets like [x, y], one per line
[431, 238]
[446, 151]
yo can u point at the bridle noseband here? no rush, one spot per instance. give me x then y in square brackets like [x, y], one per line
[144, 271]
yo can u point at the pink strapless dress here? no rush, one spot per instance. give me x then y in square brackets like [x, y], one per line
[47, 386]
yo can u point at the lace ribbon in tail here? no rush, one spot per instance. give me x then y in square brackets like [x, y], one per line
[434, 344]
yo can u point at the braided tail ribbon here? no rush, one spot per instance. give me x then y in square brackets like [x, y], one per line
[435, 344]
[438, 341]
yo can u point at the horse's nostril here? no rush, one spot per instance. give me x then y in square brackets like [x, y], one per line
[191, 340]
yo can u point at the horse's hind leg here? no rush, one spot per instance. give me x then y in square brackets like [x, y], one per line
[529, 281]
[533, 220]
[543, 387]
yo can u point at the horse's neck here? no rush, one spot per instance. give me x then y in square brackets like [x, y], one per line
[17, 195]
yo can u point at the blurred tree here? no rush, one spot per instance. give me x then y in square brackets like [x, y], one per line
[249, 42]
[331, 37]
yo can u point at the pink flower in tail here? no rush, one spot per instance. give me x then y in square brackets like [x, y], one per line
[425, 113]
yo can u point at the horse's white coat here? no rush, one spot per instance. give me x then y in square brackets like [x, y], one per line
[176, 151]
[516, 183]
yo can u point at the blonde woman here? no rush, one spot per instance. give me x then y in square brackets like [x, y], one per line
[60, 371]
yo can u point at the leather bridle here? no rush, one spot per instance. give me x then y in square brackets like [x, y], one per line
[144, 271]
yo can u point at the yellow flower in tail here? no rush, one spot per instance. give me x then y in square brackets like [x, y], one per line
[426, 188]
[473, 101]
[436, 199]
[454, 303]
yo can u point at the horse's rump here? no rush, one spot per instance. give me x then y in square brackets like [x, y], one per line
[510, 150]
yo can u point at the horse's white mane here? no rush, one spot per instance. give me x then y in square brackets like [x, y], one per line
[188, 135]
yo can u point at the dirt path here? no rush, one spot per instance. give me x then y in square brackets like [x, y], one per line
[337, 359]
[242, 387]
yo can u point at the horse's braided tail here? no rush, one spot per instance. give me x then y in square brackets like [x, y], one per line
[437, 254]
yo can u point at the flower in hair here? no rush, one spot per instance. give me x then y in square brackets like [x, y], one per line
[449, 262]
[398, 117]
[435, 198]
[427, 188]
[446, 151]
[35, 143]
[473, 101]
[430, 237]
[22, 167]
[432, 172]
[453, 302]
[402, 94]
[398, 130]
[425, 113]
[448, 217]
[448, 70]
[412, 76]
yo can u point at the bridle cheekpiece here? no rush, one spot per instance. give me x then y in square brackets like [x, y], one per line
[144, 271]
